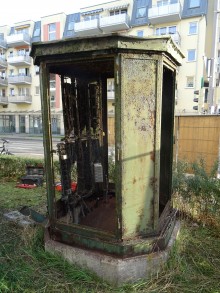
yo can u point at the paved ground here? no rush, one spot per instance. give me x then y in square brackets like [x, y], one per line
[26, 145]
[30, 145]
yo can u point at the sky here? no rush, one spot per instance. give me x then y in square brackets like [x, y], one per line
[16, 11]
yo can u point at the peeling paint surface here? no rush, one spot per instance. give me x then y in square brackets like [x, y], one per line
[138, 110]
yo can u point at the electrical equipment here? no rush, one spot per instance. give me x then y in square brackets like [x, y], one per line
[132, 215]
[34, 176]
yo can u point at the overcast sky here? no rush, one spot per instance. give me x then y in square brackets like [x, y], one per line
[16, 11]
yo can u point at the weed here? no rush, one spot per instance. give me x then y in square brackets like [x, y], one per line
[197, 194]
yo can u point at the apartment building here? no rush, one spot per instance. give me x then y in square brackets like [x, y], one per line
[20, 110]
[190, 23]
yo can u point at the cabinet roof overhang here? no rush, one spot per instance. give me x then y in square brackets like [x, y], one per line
[93, 47]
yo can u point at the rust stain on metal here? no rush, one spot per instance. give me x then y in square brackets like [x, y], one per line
[153, 181]
[152, 156]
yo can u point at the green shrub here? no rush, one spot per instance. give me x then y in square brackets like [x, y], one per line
[111, 168]
[13, 167]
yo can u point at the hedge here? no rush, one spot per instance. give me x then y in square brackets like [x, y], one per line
[13, 167]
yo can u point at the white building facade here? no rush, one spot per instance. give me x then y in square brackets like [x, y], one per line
[190, 23]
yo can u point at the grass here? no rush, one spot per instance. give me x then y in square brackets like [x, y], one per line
[25, 267]
[12, 197]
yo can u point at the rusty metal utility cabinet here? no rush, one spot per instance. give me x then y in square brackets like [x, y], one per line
[133, 215]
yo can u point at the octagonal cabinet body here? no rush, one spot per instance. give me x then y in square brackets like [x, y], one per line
[131, 214]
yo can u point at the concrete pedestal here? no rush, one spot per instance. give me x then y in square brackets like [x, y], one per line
[114, 270]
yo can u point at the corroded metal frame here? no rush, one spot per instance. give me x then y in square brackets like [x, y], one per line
[127, 240]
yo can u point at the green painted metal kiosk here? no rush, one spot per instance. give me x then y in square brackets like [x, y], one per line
[132, 214]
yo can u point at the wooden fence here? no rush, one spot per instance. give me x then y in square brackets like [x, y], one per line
[197, 137]
[111, 131]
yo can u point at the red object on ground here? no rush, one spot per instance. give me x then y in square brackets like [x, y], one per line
[27, 186]
[73, 186]
[58, 186]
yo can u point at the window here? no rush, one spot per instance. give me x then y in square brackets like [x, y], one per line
[70, 26]
[2, 74]
[141, 12]
[7, 123]
[52, 101]
[2, 55]
[22, 31]
[162, 3]
[91, 17]
[191, 55]
[140, 34]
[52, 82]
[3, 93]
[193, 28]
[166, 30]
[206, 96]
[23, 71]
[166, 2]
[119, 11]
[11, 72]
[194, 3]
[190, 81]
[172, 30]
[12, 91]
[141, 9]
[1, 36]
[52, 31]
[36, 32]
[37, 90]
[23, 52]
[161, 31]
[22, 91]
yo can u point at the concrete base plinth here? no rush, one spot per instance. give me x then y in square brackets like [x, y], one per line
[116, 271]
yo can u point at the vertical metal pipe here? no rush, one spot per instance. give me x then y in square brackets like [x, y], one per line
[118, 163]
[105, 130]
[47, 139]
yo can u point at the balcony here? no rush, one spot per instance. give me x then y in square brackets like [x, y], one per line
[17, 40]
[3, 100]
[24, 99]
[3, 63]
[20, 79]
[3, 44]
[21, 60]
[87, 28]
[114, 23]
[165, 13]
[175, 37]
[3, 81]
